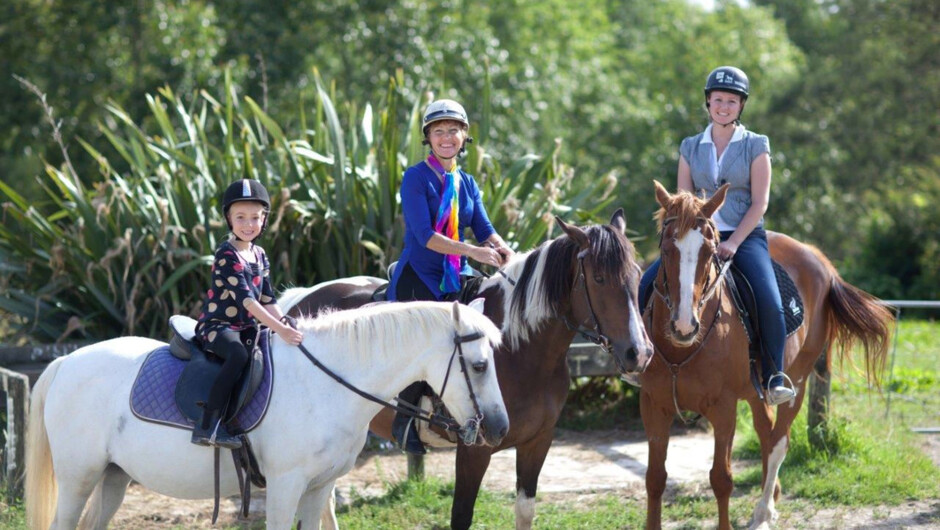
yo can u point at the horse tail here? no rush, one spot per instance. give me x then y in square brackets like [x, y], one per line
[855, 316]
[42, 490]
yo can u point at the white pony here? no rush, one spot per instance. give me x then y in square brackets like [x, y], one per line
[83, 439]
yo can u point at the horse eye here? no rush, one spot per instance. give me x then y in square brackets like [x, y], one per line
[480, 366]
[598, 279]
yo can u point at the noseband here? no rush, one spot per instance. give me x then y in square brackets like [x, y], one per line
[593, 334]
[468, 434]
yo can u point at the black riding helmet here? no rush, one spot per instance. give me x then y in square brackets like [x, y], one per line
[245, 190]
[728, 79]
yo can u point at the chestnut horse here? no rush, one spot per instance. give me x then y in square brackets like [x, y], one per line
[587, 277]
[707, 370]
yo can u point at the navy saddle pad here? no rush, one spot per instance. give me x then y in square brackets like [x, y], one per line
[153, 394]
[743, 296]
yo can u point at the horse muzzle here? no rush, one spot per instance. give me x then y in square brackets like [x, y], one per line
[634, 357]
[486, 429]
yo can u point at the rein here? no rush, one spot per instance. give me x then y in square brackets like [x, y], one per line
[594, 334]
[446, 423]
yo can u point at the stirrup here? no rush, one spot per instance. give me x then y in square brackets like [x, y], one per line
[781, 393]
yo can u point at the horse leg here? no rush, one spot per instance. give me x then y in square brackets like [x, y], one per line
[471, 466]
[723, 421]
[529, 460]
[317, 508]
[328, 515]
[773, 453]
[283, 498]
[106, 499]
[656, 422]
[73, 494]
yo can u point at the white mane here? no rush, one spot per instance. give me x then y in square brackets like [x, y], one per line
[392, 328]
[536, 309]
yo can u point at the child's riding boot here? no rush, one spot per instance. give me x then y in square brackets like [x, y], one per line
[211, 431]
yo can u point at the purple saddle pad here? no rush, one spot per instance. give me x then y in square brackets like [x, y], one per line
[153, 400]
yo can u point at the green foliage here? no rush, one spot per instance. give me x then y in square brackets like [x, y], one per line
[126, 251]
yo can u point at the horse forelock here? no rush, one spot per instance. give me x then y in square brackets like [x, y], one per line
[684, 211]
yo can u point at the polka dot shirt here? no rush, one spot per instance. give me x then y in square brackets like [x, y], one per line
[234, 282]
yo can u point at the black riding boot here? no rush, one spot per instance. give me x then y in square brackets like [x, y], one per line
[403, 427]
[211, 431]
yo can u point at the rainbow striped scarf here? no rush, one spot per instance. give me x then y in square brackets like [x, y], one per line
[447, 222]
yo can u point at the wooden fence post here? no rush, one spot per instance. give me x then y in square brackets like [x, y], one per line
[16, 387]
[817, 417]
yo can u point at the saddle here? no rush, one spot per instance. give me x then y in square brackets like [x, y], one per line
[173, 379]
[471, 286]
[194, 384]
[743, 296]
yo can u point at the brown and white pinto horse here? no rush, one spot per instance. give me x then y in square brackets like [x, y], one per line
[587, 277]
[706, 371]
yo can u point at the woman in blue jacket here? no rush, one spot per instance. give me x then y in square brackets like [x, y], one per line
[727, 153]
[439, 202]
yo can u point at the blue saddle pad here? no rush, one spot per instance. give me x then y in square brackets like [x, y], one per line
[153, 399]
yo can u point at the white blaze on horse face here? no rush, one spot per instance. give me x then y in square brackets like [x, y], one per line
[688, 247]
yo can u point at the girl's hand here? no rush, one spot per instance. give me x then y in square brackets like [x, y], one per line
[290, 335]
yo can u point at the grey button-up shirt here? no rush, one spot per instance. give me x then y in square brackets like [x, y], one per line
[734, 168]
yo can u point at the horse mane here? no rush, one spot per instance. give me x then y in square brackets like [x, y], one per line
[391, 328]
[543, 286]
[684, 210]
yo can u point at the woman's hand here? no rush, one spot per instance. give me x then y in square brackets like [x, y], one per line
[486, 256]
[727, 249]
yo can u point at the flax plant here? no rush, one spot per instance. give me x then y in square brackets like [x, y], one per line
[119, 252]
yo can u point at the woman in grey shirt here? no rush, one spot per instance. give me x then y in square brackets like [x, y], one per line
[727, 153]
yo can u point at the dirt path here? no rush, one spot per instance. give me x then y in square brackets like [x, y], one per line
[579, 466]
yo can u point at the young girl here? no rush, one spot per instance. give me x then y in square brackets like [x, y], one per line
[239, 297]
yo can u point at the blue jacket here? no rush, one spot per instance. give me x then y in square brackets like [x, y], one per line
[420, 198]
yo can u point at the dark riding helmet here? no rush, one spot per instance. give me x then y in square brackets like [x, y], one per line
[245, 190]
[728, 79]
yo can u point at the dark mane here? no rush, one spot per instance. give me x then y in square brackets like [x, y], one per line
[610, 252]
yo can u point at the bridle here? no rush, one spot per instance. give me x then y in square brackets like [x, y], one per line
[468, 433]
[594, 334]
[710, 289]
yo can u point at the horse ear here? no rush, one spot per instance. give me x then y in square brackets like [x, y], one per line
[574, 233]
[618, 221]
[662, 196]
[477, 304]
[456, 313]
[715, 202]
